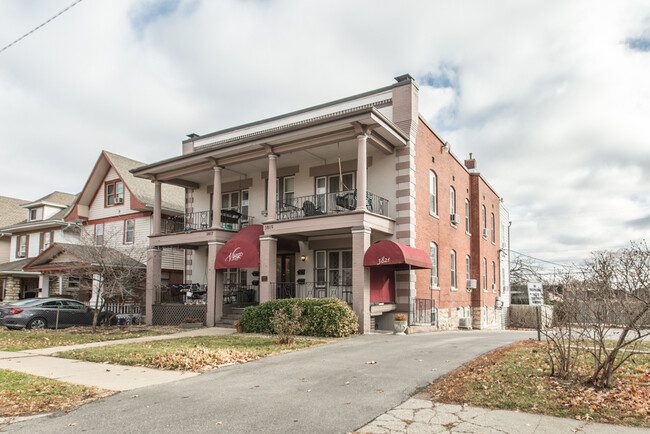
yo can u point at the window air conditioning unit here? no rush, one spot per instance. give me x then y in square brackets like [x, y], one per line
[434, 281]
[486, 232]
[119, 200]
[471, 283]
[465, 322]
[455, 218]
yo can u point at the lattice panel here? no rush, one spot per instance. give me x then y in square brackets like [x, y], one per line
[174, 314]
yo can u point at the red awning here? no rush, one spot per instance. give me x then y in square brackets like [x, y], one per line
[395, 255]
[242, 250]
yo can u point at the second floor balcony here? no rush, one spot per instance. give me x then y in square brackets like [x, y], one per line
[231, 220]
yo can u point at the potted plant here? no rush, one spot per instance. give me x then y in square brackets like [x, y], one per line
[238, 326]
[191, 323]
[400, 323]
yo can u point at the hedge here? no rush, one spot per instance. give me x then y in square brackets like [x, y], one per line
[323, 317]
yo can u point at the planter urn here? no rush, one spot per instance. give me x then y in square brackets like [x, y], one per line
[400, 327]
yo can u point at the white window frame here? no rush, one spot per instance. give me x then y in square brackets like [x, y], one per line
[492, 227]
[467, 216]
[127, 231]
[494, 277]
[454, 280]
[452, 200]
[484, 275]
[433, 253]
[433, 193]
[99, 234]
[468, 265]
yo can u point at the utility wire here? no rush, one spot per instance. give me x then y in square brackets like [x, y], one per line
[36, 28]
[540, 260]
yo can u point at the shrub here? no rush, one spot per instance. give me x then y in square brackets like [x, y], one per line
[323, 317]
[287, 324]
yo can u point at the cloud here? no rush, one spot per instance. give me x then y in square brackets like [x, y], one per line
[552, 99]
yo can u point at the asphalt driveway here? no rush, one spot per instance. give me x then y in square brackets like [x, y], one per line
[334, 388]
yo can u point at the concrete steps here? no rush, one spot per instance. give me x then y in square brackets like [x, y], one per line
[228, 319]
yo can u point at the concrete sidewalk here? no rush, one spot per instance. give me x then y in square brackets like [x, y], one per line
[106, 376]
[420, 415]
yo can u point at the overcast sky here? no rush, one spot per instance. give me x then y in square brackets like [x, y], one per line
[552, 98]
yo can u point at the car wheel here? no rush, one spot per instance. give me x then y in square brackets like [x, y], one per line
[37, 323]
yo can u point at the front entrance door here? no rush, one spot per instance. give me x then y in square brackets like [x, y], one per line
[285, 272]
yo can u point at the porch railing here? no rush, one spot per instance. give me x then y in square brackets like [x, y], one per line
[231, 220]
[313, 290]
[423, 312]
[328, 204]
[236, 293]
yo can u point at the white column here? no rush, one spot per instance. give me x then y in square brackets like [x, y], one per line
[97, 281]
[216, 198]
[44, 284]
[152, 291]
[361, 277]
[60, 285]
[268, 270]
[157, 208]
[271, 192]
[362, 171]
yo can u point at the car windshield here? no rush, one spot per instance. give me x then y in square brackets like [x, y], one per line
[27, 302]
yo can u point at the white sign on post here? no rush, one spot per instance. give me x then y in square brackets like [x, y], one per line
[535, 294]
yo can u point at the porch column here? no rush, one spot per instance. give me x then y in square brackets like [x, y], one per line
[157, 208]
[97, 281]
[362, 171]
[152, 294]
[215, 286]
[271, 192]
[216, 198]
[268, 270]
[361, 277]
[44, 284]
[60, 284]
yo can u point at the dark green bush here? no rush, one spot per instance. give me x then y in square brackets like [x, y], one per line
[323, 317]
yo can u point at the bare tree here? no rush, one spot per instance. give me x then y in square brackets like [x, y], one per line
[605, 312]
[112, 274]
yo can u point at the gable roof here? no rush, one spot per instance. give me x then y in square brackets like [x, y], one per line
[11, 211]
[57, 199]
[79, 255]
[142, 190]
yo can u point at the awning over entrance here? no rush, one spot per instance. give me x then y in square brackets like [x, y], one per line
[395, 255]
[242, 250]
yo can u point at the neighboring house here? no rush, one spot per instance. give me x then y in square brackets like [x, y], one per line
[357, 199]
[42, 225]
[114, 209]
[11, 212]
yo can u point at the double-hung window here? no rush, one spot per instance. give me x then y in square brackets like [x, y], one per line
[494, 277]
[484, 275]
[467, 215]
[22, 248]
[129, 231]
[99, 234]
[433, 193]
[492, 227]
[114, 193]
[453, 270]
[468, 267]
[452, 204]
[433, 252]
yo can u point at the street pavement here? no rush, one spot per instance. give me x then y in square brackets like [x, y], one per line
[341, 387]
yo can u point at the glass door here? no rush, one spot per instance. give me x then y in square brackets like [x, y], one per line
[285, 275]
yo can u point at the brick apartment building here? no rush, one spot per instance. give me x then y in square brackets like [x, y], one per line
[357, 199]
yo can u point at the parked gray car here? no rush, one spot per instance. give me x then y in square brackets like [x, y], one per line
[39, 313]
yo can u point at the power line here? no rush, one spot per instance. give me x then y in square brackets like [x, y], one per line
[538, 259]
[38, 27]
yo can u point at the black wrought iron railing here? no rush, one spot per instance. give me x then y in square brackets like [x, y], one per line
[231, 220]
[328, 204]
[236, 293]
[422, 312]
[313, 290]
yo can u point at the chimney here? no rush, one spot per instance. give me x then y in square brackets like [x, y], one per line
[471, 163]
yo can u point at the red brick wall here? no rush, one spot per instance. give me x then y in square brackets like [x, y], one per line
[430, 155]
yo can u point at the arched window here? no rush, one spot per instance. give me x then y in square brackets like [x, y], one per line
[433, 252]
[484, 274]
[492, 226]
[452, 201]
[433, 193]
[453, 269]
